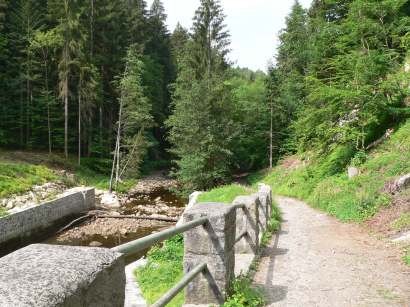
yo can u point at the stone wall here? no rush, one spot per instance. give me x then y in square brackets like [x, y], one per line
[48, 275]
[34, 220]
[228, 243]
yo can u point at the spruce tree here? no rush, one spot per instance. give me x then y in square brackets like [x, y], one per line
[200, 128]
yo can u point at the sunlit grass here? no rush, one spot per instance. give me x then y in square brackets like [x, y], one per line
[225, 194]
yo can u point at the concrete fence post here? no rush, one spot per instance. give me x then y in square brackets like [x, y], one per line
[265, 199]
[247, 220]
[267, 190]
[212, 244]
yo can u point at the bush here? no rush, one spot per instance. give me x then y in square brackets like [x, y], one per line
[243, 294]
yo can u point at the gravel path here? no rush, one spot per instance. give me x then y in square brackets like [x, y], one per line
[316, 260]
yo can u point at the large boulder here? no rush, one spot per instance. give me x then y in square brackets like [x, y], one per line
[110, 200]
[398, 184]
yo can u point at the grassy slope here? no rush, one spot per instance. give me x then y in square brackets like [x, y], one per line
[349, 200]
[19, 171]
[354, 200]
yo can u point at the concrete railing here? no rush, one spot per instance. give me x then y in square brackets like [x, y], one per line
[228, 243]
[220, 240]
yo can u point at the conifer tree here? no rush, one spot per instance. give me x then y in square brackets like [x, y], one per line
[200, 127]
[134, 118]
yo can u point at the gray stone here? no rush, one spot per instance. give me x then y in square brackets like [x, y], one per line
[47, 275]
[212, 244]
[193, 199]
[133, 295]
[352, 172]
[95, 244]
[247, 220]
[402, 182]
[24, 223]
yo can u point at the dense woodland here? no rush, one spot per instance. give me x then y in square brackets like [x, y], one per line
[106, 79]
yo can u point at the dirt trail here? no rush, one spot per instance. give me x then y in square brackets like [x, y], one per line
[317, 261]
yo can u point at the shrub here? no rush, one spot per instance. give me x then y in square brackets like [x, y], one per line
[243, 294]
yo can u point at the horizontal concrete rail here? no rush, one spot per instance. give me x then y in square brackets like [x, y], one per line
[36, 219]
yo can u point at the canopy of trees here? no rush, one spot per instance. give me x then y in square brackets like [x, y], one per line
[107, 79]
[340, 77]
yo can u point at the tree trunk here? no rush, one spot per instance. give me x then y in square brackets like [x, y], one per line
[101, 129]
[271, 137]
[79, 122]
[48, 108]
[116, 159]
[66, 117]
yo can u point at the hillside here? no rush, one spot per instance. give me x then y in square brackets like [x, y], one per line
[368, 198]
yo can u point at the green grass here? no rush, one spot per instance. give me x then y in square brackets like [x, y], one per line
[402, 223]
[406, 257]
[322, 181]
[88, 177]
[243, 294]
[17, 178]
[225, 194]
[19, 171]
[163, 270]
[165, 263]
[3, 212]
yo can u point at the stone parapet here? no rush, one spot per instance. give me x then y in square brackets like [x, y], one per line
[48, 275]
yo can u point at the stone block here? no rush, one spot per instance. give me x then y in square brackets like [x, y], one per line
[247, 220]
[212, 244]
[48, 275]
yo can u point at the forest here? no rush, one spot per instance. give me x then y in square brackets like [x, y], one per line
[108, 81]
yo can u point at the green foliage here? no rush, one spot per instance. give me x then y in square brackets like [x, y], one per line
[163, 270]
[251, 114]
[335, 161]
[323, 182]
[354, 68]
[17, 178]
[359, 158]
[3, 212]
[225, 194]
[243, 294]
[200, 127]
[406, 257]
[134, 117]
[402, 223]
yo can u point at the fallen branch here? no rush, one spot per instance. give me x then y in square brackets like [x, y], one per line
[376, 143]
[74, 222]
[151, 218]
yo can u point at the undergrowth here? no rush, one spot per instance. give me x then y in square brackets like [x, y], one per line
[406, 257]
[3, 212]
[163, 270]
[16, 178]
[402, 223]
[322, 180]
[20, 171]
[243, 294]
